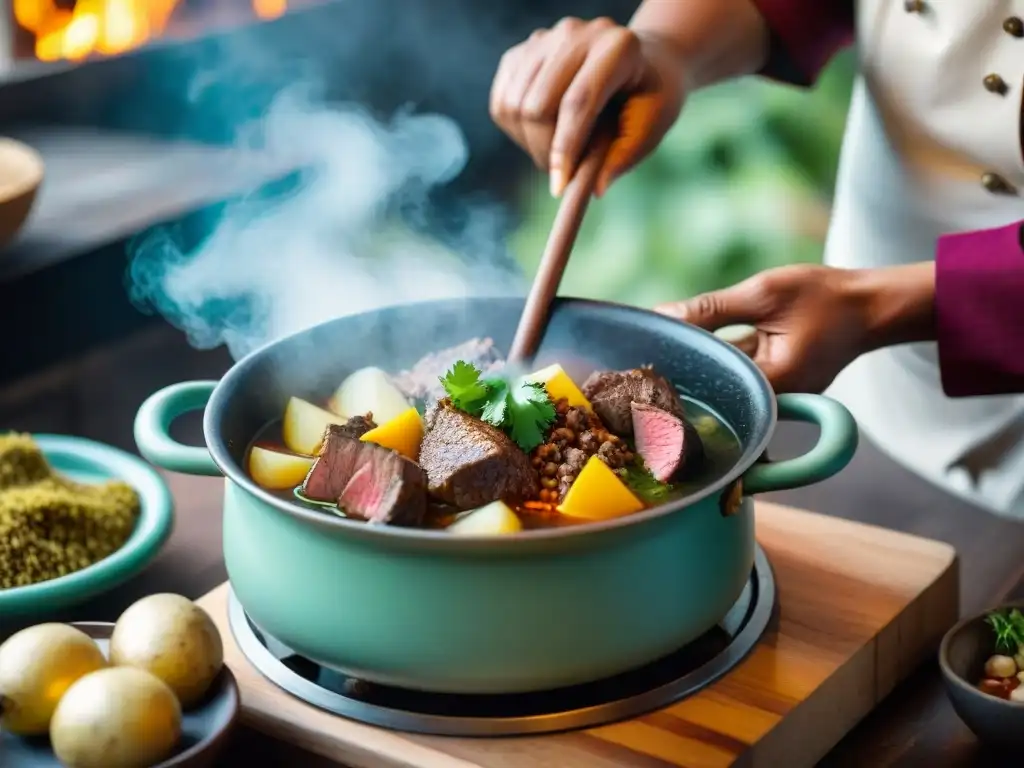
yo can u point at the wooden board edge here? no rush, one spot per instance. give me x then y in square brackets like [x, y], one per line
[935, 609]
[785, 513]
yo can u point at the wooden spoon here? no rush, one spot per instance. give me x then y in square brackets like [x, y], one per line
[566, 227]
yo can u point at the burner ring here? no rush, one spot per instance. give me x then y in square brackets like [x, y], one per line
[656, 685]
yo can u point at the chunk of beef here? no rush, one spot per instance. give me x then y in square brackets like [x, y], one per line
[470, 463]
[368, 481]
[358, 426]
[667, 443]
[423, 380]
[611, 392]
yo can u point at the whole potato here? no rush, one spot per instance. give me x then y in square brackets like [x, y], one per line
[37, 665]
[172, 638]
[116, 718]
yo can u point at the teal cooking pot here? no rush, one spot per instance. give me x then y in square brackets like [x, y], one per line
[541, 609]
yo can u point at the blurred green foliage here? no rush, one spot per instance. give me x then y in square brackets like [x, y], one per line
[742, 183]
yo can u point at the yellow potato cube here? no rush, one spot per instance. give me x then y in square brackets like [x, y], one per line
[404, 433]
[558, 385]
[278, 471]
[599, 494]
[304, 426]
[493, 519]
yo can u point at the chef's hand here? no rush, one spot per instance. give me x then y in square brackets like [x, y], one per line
[550, 89]
[810, 322]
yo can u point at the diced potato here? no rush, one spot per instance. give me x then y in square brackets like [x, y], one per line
[304, 426]
[278, 471]
[404, 433]
[494, 519]
[369, 390]
[599, 494]
[558, 384]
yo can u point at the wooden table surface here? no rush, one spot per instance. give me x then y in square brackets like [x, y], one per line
[97, 396]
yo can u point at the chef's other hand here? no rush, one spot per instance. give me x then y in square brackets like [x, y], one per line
[550, 89]
[810, 322]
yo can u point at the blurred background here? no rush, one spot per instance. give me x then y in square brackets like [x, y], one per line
[741, 184]
[194, 147]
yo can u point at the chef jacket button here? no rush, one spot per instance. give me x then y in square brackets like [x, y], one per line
[996, 184]
[995, 84]
[1014, 26]
[914, 6]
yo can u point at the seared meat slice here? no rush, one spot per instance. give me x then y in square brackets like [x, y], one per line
[470, 463]
[358, 426]
[666, 442]
[611, 393]
[387, 488]
[367, 481]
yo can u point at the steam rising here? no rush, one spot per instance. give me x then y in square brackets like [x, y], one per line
[333, 246]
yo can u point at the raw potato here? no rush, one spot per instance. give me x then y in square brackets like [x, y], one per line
[116, 718]
[494, 519]
[172, 638]
[278, 471]
[304, 426]
[404, 433]
[369, 390]
[37, 665]
[558, 385]
[599, 494]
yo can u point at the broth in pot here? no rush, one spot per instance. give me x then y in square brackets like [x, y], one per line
[450, 444]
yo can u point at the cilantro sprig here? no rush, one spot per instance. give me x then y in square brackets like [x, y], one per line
[1009, 629]
[522, 409]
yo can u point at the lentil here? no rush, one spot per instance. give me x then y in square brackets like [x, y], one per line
[576, 435]
[51, 526]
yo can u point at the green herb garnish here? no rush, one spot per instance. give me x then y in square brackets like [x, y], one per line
[466, 389]
[1009, 629]
[643, 483]
[333, 506]
[523, 409]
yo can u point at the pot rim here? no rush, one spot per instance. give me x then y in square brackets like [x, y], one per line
[237, 373]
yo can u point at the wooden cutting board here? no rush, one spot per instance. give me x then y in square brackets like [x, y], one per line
[859, 608]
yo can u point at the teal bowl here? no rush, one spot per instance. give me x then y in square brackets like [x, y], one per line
[91, 462]
[538, 610]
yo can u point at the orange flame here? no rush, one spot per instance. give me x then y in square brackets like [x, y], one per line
[269, 9]
[106, 27]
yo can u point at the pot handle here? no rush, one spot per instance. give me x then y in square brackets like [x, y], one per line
[833, 451]
[153, 422]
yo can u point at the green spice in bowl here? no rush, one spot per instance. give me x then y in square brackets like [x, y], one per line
[77, 518]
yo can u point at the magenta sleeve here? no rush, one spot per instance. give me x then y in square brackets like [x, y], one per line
[979, 311]
[805, 35]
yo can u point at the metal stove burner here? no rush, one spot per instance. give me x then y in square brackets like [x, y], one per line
[631, 694]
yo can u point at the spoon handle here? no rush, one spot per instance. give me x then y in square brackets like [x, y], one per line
[566, 227]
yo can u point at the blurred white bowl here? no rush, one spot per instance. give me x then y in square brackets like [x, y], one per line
[21, 174]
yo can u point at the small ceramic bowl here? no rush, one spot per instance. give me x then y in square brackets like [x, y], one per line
[21, 174]
[962, 656]
[91, 462]
[205, 729]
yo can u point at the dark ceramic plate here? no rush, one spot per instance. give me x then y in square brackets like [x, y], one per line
[204, 730]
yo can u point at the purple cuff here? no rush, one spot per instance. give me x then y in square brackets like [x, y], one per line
[979, 311]
[805, 35]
